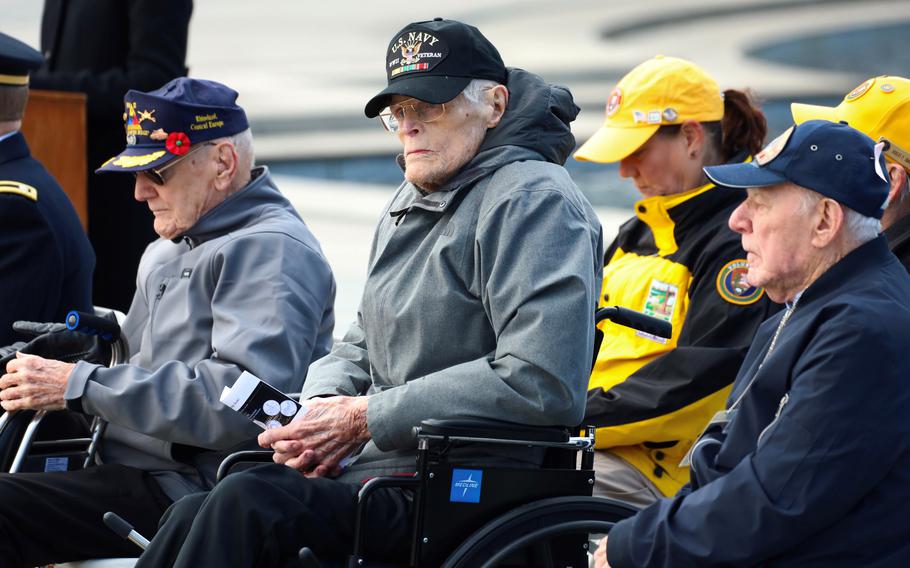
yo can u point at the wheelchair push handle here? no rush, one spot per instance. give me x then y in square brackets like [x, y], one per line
[635, 320]
[93, 325]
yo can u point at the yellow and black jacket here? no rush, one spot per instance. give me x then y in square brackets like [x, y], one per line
[650, 398]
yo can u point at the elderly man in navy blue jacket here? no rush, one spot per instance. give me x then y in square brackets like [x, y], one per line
[810, 463]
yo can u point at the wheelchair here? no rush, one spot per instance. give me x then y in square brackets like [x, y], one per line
[506, 516]
[503, 516]
[43, 441]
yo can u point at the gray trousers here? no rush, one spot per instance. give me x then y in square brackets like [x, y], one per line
[617, 479]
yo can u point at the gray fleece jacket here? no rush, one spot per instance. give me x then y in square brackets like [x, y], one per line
[479, 298]
[245, 289]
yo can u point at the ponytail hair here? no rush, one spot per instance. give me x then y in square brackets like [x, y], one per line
[743, 127]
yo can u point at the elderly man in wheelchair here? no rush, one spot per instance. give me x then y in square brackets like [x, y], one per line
[483, 275]
[216, 296]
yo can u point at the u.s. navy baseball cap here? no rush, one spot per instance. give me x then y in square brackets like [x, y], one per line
[830, 158]
[434, 61]
[164, 124]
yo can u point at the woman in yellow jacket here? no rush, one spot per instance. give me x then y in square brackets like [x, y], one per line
[676, 259]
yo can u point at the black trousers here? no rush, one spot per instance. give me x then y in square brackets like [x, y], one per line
[263, 516]
[56, 516]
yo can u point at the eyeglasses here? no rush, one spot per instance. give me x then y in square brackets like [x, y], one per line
[156, 175]
[896, 153]
[420, 110]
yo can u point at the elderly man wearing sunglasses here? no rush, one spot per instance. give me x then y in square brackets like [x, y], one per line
[235, 283]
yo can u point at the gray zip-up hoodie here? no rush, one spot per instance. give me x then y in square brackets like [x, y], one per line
[245, 289]
[479, 298]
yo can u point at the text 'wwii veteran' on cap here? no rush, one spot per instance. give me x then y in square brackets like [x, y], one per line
[829, 158]
[164, 124]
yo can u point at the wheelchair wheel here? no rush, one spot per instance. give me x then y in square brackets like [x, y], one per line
[536, 522]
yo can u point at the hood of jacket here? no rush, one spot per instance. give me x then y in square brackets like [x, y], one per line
[537, 118]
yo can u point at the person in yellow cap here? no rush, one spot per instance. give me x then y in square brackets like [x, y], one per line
[879, 108]
[676, 260]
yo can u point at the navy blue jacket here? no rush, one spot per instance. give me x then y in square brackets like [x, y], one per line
[814, 467]
[46, 261]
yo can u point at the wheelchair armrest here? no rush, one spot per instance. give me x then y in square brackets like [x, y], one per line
[237, 458]
[493, 430]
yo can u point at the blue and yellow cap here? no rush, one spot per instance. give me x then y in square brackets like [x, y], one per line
[164, 124]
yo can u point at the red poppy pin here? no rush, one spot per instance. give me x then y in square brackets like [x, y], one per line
[177, 143]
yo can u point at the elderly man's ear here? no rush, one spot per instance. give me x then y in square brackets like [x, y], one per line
[226, 164]
[828, 222]
[898, 177]
[499, 100]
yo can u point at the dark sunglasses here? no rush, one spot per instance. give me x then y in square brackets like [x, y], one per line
[156, 175]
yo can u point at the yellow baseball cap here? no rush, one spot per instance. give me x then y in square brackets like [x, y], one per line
[879, 108]
[662, 90]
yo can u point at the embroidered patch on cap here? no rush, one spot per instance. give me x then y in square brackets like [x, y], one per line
[415, 51]
[133, 117]
[860, 90]
[614, 102]
[773, 148]
[733, 287]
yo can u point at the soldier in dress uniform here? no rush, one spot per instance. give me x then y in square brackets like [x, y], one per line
[46, 261]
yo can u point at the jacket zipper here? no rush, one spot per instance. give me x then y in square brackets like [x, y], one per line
[161, 288]
[780, 407]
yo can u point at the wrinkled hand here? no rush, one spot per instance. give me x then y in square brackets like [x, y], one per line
[8, 353]
[34, 383]
[600, 555]
[330, 430]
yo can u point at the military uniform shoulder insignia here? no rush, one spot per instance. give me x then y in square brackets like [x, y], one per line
[733, 287]
[19, 188]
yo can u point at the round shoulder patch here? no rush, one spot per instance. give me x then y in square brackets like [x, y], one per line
[733, 287]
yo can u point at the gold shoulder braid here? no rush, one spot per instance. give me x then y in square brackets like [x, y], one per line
[19, 188]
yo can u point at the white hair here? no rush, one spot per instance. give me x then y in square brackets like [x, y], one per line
[472, 93]
[243, 145]
[858, 227]
[862, 228]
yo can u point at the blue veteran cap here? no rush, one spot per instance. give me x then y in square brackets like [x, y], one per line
[164, 124]
[829, 158]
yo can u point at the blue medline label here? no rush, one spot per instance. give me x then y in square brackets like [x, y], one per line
[466, 485]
